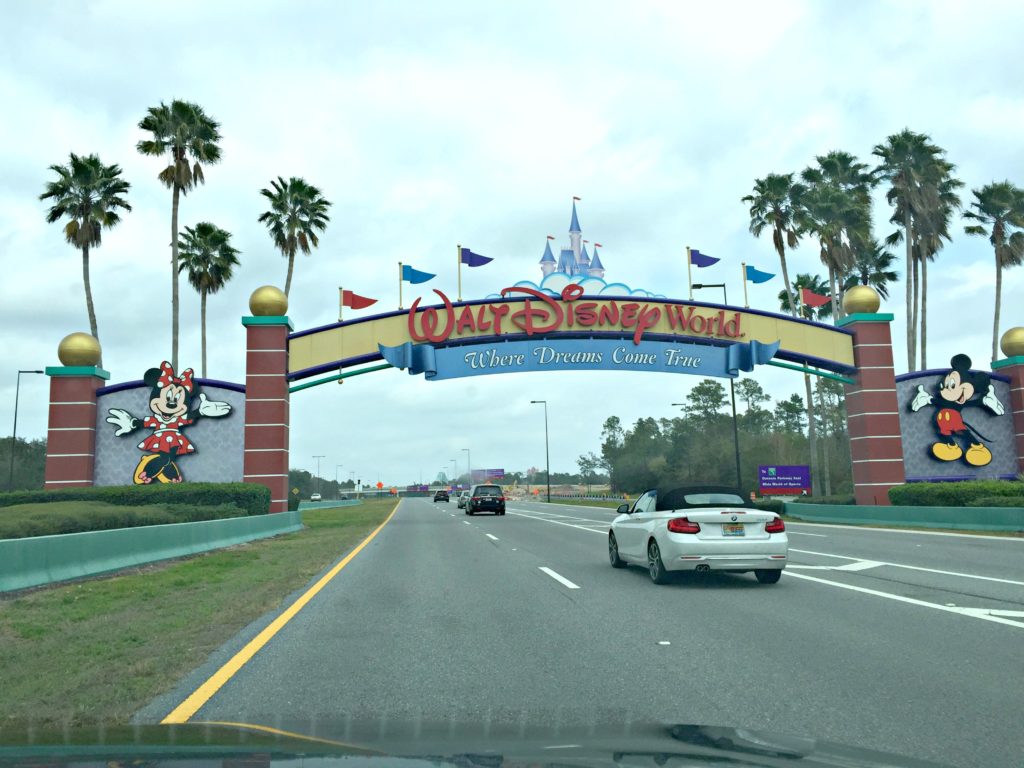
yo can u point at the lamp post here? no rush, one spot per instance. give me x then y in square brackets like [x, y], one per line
[732, 394]
[337, 487]
[469, 465]
[14, 431]
[547, 451]
[318, 471]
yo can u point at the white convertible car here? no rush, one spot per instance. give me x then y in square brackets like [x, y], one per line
[698, 528]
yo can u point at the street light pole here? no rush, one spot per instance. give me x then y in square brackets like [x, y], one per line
[547, 451]
[337, 487]
[14, 431]
[732, 394]
[469, 465]
[318, 471]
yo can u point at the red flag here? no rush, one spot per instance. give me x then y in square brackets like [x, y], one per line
[551, 237]
[576, 198]
[355, 301]
[812, 299]
[598, 245]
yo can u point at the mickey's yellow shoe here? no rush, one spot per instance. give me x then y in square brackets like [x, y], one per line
[978, 455]
[947, 451]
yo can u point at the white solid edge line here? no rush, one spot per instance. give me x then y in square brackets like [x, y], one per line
[969, 612]
[559, 578]
[908, 567]
[491, 537]
[902, 530]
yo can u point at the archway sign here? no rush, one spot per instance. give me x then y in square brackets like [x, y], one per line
[528, 330]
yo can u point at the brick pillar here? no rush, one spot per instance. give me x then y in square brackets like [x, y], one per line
[267, 406]
[1014, 368]
[71, 432]
[873, 419]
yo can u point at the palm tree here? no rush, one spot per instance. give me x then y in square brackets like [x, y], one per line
[88, 193]
[189, 137]
[814, 284]
[872, 266]
[771, 206]
[297, 212]
[914, 168]
[207, 256]
[1000, 207]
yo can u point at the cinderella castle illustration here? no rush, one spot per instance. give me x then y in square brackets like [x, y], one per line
[573, 258]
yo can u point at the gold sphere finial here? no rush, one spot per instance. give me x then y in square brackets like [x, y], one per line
[861, 300]
[268, 301]
[1012, 342]
[79, 349]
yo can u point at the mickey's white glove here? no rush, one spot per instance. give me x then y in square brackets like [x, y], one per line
[123, 420]
[991, 402]
[212, 407]
[921, 399]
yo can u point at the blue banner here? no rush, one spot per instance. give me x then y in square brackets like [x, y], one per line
[577, 355]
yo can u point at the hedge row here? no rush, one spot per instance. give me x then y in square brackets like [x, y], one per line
[840, 499]
[252, 498]
[959, 494]
[79, 516]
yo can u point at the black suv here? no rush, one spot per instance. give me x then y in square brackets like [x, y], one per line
[486, 498]
[441, 496]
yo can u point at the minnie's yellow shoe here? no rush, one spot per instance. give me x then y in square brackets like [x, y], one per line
[978, 455]
[140, 478]
[947, 451]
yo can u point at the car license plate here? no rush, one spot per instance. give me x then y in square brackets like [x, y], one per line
[732, 529]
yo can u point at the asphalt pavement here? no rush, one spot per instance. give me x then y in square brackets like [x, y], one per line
[911, 643]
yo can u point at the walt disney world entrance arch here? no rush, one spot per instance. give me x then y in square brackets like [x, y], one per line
[521, 330]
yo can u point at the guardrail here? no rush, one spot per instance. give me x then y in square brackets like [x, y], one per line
[32, 562]
[955, 518]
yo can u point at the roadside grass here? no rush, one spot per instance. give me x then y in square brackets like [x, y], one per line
[44, 519]
[583, 502]
[96, 651]
[1005, 534]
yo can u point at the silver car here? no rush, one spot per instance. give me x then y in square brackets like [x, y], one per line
[698, 528]
[463, 498]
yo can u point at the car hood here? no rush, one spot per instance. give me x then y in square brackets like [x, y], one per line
[351, 744]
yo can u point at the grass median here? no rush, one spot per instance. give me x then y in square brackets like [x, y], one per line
[96, 651]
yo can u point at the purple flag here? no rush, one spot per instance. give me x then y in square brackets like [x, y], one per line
[471, 259]
[698, 259]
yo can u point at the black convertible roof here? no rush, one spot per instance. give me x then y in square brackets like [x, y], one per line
[673, 496]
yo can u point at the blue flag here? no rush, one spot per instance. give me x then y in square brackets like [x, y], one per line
[411, 275]
[757, 276]
[471, 259]
[699, 259]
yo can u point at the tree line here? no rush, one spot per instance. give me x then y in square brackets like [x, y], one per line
[697, 446]
[89, 197]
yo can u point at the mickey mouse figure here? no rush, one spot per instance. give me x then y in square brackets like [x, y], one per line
[170, 400]
[958, 389]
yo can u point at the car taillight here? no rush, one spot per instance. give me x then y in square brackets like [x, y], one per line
[683, 525]
[501, 498]
[475, 498]
[775, 526]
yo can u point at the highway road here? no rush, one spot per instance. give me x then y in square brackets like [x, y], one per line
[907, 642]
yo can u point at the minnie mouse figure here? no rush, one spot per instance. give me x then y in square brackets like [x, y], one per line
[170, 400]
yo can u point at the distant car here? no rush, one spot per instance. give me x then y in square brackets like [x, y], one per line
[441, 496]
[463, 498]
[698, 528]
[485, 498]
[315, 497]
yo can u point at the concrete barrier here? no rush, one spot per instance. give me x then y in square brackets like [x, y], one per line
[39, 560]
[956, 518]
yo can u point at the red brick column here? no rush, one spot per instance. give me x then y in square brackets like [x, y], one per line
[267, 406]
[873, 418]
[1014, 368]
[71, 432]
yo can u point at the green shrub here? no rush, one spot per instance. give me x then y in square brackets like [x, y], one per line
[253, 498]
[50, 518]
[997, 501]
[841, 499]
[769, 505]
[954, 494]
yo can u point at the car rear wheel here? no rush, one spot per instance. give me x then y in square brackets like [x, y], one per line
[768, 575]
[655, 566]
[613, 552]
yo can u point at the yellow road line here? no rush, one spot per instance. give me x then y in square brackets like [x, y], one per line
[205, 692]
[289, 734]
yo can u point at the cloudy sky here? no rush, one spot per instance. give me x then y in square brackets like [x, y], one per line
[434, 123]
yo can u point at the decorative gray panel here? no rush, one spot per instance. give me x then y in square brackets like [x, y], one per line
[919, 432]
[219, 442]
